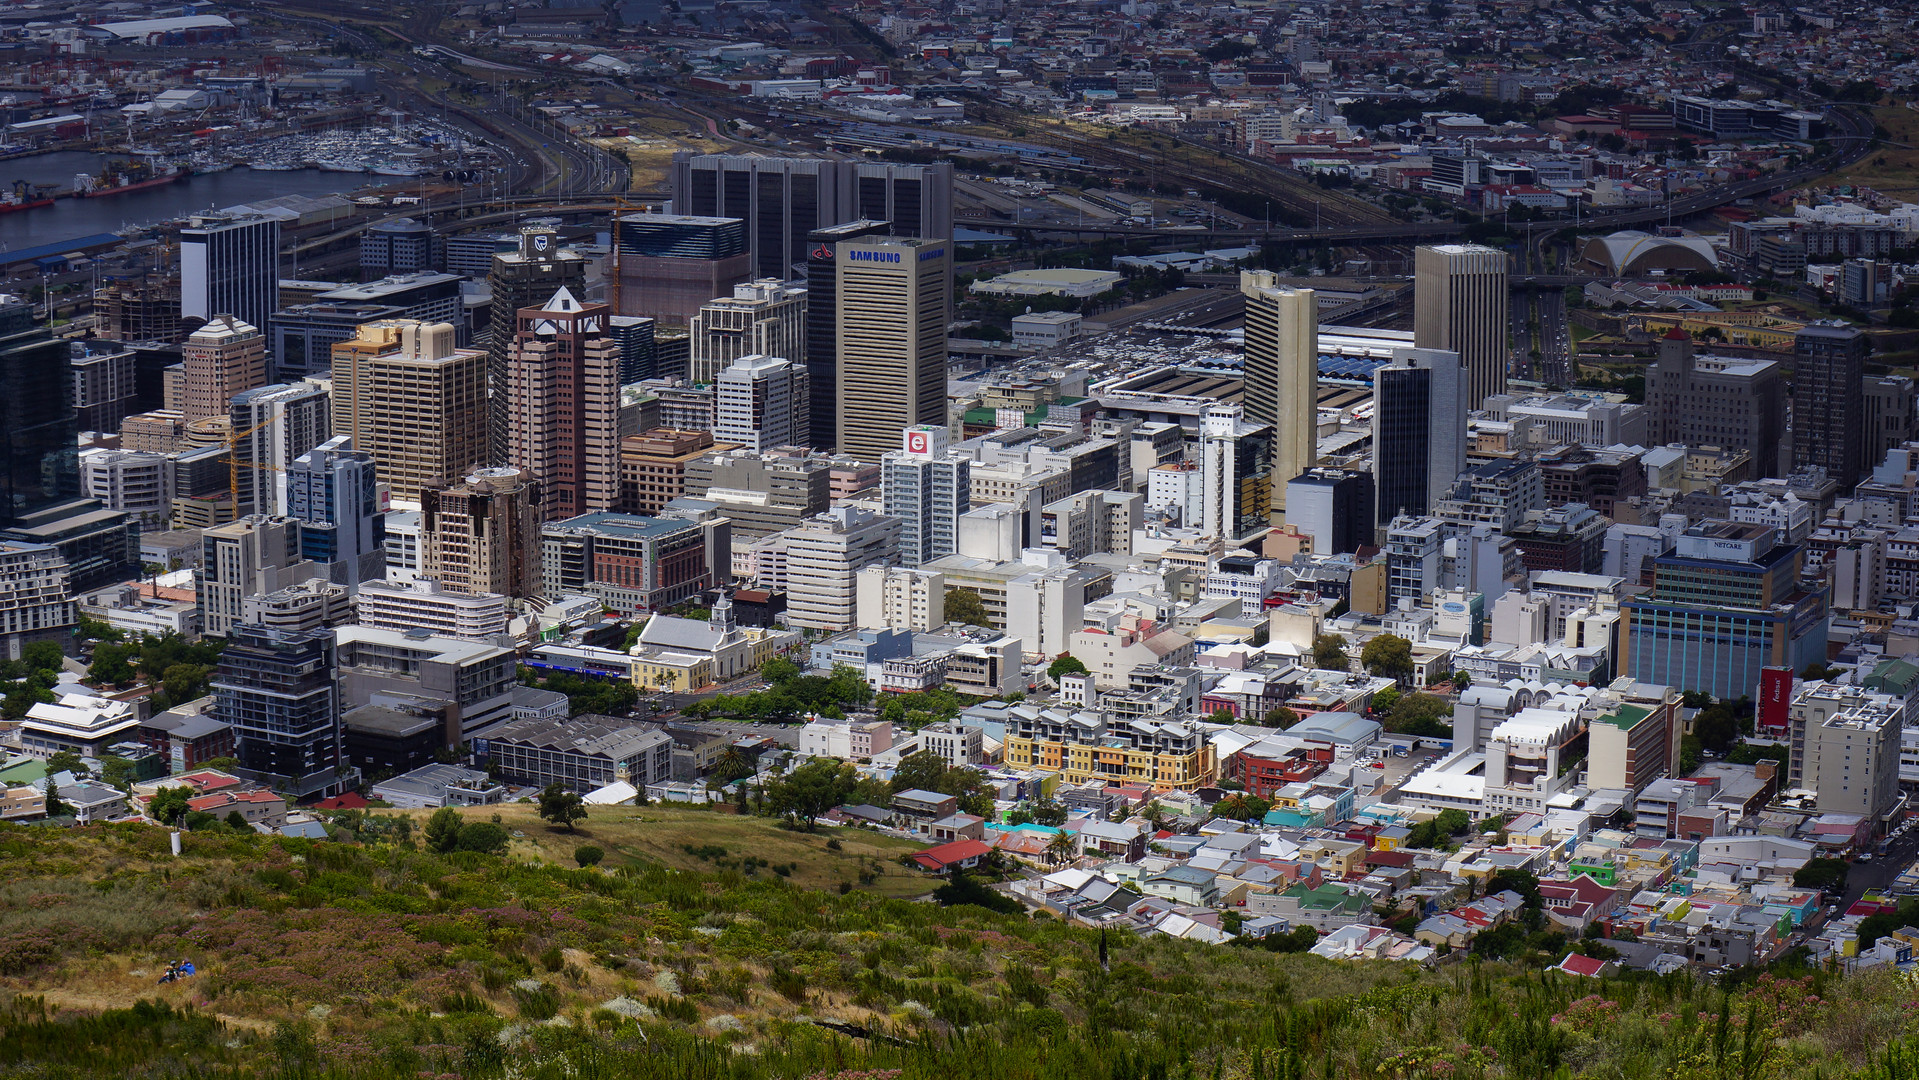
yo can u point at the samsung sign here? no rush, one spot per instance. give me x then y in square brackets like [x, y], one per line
[862, 255]
[933, 253]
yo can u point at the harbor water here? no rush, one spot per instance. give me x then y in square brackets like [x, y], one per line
[71, 219]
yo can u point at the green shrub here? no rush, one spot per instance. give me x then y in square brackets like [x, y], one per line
[553, 959]
[588, 855]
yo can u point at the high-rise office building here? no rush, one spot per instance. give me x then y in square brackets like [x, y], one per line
[822, 323]
[222, 358]
[631, 563]
[38, 602]
[563, 404]
[1282, 372]
[667, 265]
[273, 426]
[895, 299]
[1419, 430]
[230, 265]
[760, 402]
[400, 246]
[404, 394]
[333, 490]
[482, 535]
[1828, 399]
[926, 486]
[39, 433]
[783, 200]
[1460, 296]
[422, 294]
[1236, 473]
[279, 691]
[252, 556]
[1726, 603]
[824, 556]
[301, 337]
[104, 391]
[523, 277]
[764, 318]
[639, 346]
[1734, 402]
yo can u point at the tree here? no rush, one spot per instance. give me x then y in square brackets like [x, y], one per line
[1827, 874]
[921, 771]
[1064, 664]
[811, 790]
[1019, 815]
[1419, 714]
[562, 807]
[43, 656]
[1513, 879]
[965, 606]
[443, 829]
[55, 807]
[1462, 680]
[483, 837]
[1221, 715]
[1049, 813]
[779, 670]
[117, 772]
[1281, 717]
[65, 761]
[588, 855]
[1388, 656]
[1062, 848]
[237, 822]
[169, 804]
[110, 666]
[1329, 652]
[1385, 701]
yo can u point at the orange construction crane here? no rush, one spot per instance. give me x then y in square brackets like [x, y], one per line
[234, 463]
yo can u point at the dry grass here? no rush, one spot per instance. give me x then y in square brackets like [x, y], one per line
[661, 834]
[1890, 170]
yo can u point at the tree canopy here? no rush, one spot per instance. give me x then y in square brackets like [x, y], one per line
[1064, 664]
[810, 790]
[1329, 652]
[1388, 656]
[965, 606]
[562, 807]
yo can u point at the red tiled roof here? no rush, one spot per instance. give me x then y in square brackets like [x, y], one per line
[349, 800]
[945, 855]
[1575, 964]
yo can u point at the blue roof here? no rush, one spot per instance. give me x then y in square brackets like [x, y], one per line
[1350, 367]
[64, 247]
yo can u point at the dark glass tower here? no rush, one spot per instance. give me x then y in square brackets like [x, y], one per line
[39, 429]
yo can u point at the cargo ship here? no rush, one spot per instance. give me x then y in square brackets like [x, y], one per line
[23, 197]
[121, 177]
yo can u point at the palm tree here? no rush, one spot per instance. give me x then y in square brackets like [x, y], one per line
[1062, 847]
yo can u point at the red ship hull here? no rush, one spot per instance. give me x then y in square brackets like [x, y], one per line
[30, 204]
[142, 185]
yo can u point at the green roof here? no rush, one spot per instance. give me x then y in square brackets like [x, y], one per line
[1893, 673]
[24, 772]
[1627, 718]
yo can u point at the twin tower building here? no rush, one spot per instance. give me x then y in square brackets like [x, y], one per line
[1457, 358]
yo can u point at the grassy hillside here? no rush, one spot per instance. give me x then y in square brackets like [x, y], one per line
[714, 841]
[346, 961]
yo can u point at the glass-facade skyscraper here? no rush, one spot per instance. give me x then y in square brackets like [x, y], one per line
[39, 430]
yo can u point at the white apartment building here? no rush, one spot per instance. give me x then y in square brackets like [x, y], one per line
[421, 605]
[901, 598]
[848, 740]
[761, 402]
[765, 317]
[136, 482]
[956, 744]
[824, 554]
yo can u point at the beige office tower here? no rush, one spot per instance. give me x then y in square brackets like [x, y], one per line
[482, 535]
[1282, 373]
[1459, 304]
[764, 318]
[404, 394]
[221, 359]
[894, 301]
[563, 404]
